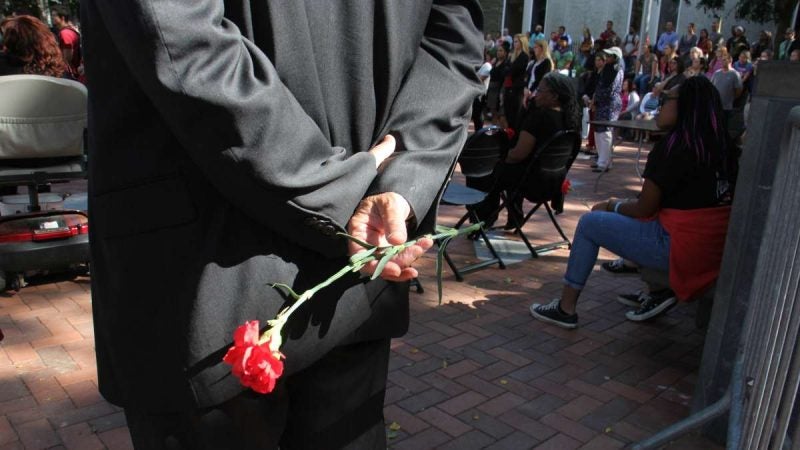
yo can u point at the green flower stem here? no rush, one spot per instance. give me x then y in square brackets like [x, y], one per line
[356, 264]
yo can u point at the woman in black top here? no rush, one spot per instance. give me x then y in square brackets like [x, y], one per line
[515, 89]
[540, 65]
[556, 109]
[496, 78]
[692, 168]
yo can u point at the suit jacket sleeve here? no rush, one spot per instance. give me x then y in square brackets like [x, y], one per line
[223, 100]
[429, 115]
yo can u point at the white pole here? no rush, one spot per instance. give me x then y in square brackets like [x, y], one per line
[503, 18]
[644, 29]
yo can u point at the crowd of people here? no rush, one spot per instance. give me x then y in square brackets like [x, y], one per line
[603, 64]
[30, 46]
[693, 85]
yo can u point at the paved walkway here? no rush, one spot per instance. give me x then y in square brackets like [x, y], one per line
[475, 372]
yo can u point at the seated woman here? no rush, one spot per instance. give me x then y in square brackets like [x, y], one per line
[556, 110]
[686, 176]
[29, 48]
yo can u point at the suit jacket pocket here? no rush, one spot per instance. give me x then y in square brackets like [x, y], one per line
[147, 207]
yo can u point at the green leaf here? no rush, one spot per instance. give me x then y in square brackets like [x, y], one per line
[357, 240]
[440, 266]
[287, 289]
[389, 254]
[362, 255]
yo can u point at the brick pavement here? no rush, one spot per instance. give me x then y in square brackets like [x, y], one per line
[475, 372]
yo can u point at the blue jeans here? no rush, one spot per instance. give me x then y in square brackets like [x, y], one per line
[641, 81]
[646, 243]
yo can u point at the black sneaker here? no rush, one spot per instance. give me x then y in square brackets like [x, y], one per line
[552, 313]
[655, 304]
[636, 299]
[618, 267]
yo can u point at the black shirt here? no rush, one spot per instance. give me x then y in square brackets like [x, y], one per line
[684, 183]
[543, 123]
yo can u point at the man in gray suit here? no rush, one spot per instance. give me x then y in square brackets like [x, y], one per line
[229, 142]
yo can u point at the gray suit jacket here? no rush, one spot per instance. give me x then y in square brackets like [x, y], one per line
[228, 145]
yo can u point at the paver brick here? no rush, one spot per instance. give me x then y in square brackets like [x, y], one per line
[559, 442]
[7, 433]
[37, 434]
[461, 403]
[501, 404]
[568, 427]
[472, 440]
[407, 421]
[579, 407]
[444, 421]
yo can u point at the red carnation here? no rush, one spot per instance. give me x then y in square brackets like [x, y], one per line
[566, 186]
[253, 363]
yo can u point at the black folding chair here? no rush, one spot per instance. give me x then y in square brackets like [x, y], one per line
[480, 155]
[541, 184]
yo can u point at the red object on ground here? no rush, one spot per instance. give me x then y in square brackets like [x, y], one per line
[566, 186]
[697, 239]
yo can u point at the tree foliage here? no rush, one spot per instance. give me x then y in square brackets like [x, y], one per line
[35, 6]
[759, 11]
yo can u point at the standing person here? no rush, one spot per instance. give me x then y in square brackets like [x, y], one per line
[607, 104]
[669, 38]
[497, 79]
[585, 50]
[687, 41]
[630, 49]
[590, 80]
[562, 33]
[646, 70]
[608, 35]
[764, 42]
[717, 60]
[540, 65]
[729, 84]
[515, 89]
[538, 35]
[744, 65]
[783, 49]
[715, 35]
[737, 42]
[686, 180]
[563, 57]
[222, 162]
[704, 42]
[69, 39]
[479, 104]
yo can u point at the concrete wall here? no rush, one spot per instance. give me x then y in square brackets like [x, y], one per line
[575, 14]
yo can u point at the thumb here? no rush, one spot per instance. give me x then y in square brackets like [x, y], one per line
[394, 213]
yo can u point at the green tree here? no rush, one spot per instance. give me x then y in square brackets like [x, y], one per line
[760, 11]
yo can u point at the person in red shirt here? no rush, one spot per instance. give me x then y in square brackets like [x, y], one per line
[69, 39]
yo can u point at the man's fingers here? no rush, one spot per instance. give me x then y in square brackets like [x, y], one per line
[384, 149]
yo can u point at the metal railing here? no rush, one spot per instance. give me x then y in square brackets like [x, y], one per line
[762, 394]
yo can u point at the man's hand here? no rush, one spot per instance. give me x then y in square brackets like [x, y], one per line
[381, 220]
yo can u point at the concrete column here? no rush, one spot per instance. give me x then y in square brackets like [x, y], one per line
[527, 14]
